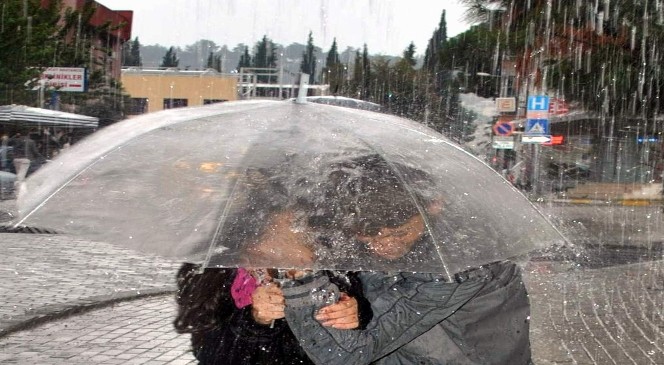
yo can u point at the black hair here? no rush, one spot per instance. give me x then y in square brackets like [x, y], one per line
[366, 193]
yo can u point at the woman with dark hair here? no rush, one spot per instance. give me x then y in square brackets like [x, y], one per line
[236, 315]
[476, 317]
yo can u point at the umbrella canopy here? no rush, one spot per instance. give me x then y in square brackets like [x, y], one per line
[198, 183]
[21, 114]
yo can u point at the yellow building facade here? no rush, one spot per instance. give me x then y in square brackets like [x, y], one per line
[158, 89]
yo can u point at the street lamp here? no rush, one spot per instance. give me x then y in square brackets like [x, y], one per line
[170, 100]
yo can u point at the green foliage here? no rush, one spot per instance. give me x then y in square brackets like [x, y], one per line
[265, 57]
[170, 58]
[409, 55]
[131, 53]
[27, 46]
[245, 59]
[436, 45]
[334, 72]
[35, 37]
[308, 65]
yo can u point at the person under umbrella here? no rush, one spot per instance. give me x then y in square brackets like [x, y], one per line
[480, 316]
[235, 315]
[26, 154]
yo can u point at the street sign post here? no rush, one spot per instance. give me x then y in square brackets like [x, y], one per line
[70, 79]
[503, 143]
[506, 105]
[537, 127]
[535, 139]
[503, 128]
[538, 107]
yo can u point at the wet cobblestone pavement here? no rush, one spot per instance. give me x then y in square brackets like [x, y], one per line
[132, 332]
[610, 315]
[43, 275]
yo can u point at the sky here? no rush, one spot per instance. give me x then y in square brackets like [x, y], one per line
[386, 26]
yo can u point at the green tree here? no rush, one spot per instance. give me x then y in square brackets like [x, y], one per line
[214, 62]
[334, 71]
[198, 52]
[28, 43]
[436, 44]
[170, 58]
[245, 59]
[308, 64]
[465, 56]
[365, 76]
[34, 36]
[131, 53]
[265, 57]
[409, 55]
[354, 85]
[210, 60]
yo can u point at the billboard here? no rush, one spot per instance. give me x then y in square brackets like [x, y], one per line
[70, 79]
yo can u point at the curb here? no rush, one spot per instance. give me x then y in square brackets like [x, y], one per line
[51, 312]
[619, 202]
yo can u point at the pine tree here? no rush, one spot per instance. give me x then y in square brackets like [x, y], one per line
[245, 59]
[170, 58]
[366, 73]
[135, 52]
[436, 44]
[355, 88]
[131, 54]
[265, 57]
[308, 65]
[409, 55]
[334, 70]
[217, 63]
[210, 60]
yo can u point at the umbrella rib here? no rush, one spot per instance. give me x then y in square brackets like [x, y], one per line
[58, 190]
[222, 219]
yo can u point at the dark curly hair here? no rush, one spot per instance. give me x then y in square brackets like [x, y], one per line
[363, 194]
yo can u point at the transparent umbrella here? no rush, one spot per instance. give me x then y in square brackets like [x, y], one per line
[199, 185]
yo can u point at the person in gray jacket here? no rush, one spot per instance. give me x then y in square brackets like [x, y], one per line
[480, 316]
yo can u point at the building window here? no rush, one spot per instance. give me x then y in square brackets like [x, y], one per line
[213, 101]
[137, 106]
[175, 103]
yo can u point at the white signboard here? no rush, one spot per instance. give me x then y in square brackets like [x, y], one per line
[535, 139]
[503, 143]
[505, 105]
[70, 79]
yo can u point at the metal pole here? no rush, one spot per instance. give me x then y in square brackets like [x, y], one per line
[170, 100]
[41, 94]
[302, 92]
[281, 73]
